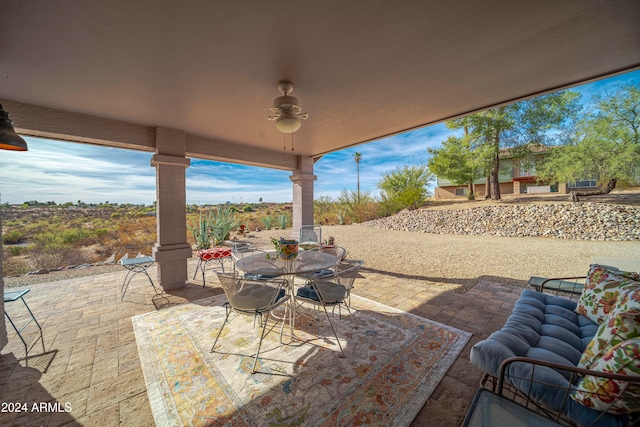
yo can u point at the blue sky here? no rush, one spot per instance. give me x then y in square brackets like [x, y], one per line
[68, 172]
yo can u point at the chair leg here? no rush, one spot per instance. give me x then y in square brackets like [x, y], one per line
[353, 318]
[197, 267]
[334, 331]
[226, 319]
[203, 269]
[264, 328]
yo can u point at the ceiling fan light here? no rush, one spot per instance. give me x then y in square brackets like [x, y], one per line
[287, 123]
[286, 100]
[9, 139]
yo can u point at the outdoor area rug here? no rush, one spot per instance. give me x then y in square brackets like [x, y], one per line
[394, 361]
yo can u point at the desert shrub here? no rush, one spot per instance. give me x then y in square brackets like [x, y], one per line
[322, 207]
[247, 208]
[13, 237]
[53, 256]
[73, 235]
[116, 215]
[14, 266]
[359, 207]
[16, 250]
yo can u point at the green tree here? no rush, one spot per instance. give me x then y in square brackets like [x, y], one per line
[518, 126]
[357, 156]
[606, 146]
[459, 161]
[406, 187]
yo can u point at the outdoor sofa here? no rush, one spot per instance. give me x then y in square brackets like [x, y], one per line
[577, 362]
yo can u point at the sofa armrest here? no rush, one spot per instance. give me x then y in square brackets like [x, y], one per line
[533, 382]
[558, 285]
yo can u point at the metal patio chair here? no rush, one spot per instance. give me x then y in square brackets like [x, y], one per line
[333, 291]
[254, 298]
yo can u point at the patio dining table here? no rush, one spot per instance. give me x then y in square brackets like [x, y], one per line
[271, 265]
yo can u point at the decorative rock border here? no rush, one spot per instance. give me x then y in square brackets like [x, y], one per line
[580, 221]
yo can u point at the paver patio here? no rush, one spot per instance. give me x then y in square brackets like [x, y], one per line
[91, 361]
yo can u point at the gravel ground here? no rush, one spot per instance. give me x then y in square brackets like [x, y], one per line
[457, 262]
[454, 262]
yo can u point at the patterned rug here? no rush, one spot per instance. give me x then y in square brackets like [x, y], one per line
[394, 361]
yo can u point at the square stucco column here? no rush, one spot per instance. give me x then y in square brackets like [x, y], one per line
[302, 180]
[171, 250]
[3, 326]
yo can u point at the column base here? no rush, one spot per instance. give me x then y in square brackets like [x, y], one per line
[172, 265]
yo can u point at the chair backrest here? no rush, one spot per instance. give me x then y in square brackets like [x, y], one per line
[337, 251]
[335, 288]
[310, 236]
[347, 272]
[240, 250]
[250, 295]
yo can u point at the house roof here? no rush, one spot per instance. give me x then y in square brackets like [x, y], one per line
[362, 70]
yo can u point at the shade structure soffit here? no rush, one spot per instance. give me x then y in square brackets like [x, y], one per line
[362, 71]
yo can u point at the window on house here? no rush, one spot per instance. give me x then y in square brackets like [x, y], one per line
[526, 169]
[461, 191]
[584, 183]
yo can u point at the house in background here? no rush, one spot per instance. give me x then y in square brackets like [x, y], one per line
[517, 176]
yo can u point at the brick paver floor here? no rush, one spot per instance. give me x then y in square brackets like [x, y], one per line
[90, 373]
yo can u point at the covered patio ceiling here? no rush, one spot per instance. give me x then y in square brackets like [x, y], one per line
[363, 70]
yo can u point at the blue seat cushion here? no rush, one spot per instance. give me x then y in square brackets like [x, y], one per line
[255, 298]
[332, 293]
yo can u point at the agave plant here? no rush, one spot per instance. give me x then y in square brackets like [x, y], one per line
[223, 221]
[267, 221]
[202, 230]
[282, 220]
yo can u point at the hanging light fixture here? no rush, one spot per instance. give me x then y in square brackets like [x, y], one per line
[9, 139]
[286, 110]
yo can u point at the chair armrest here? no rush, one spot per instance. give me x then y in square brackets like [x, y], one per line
[557, 366]
[556, 285]
[550, 386]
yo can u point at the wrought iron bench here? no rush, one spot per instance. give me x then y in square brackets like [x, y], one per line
[534, 358]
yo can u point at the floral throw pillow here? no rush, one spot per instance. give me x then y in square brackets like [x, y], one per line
[602, 290]
[616, 396]
[622, 324]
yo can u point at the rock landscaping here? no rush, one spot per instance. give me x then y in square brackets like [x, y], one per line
[579, 221]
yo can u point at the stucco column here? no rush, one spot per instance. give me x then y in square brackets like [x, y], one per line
[302, 180]
[171, 250]
[3, 326]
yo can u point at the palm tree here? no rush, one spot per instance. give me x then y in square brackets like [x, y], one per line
[357, 156]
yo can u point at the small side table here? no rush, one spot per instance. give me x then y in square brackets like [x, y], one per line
[12, 296]
[137, 266]
[205, 256]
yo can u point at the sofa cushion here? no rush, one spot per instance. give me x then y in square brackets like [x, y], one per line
[610, 395]
[622, 324]
[601, 291]
[542, 326]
